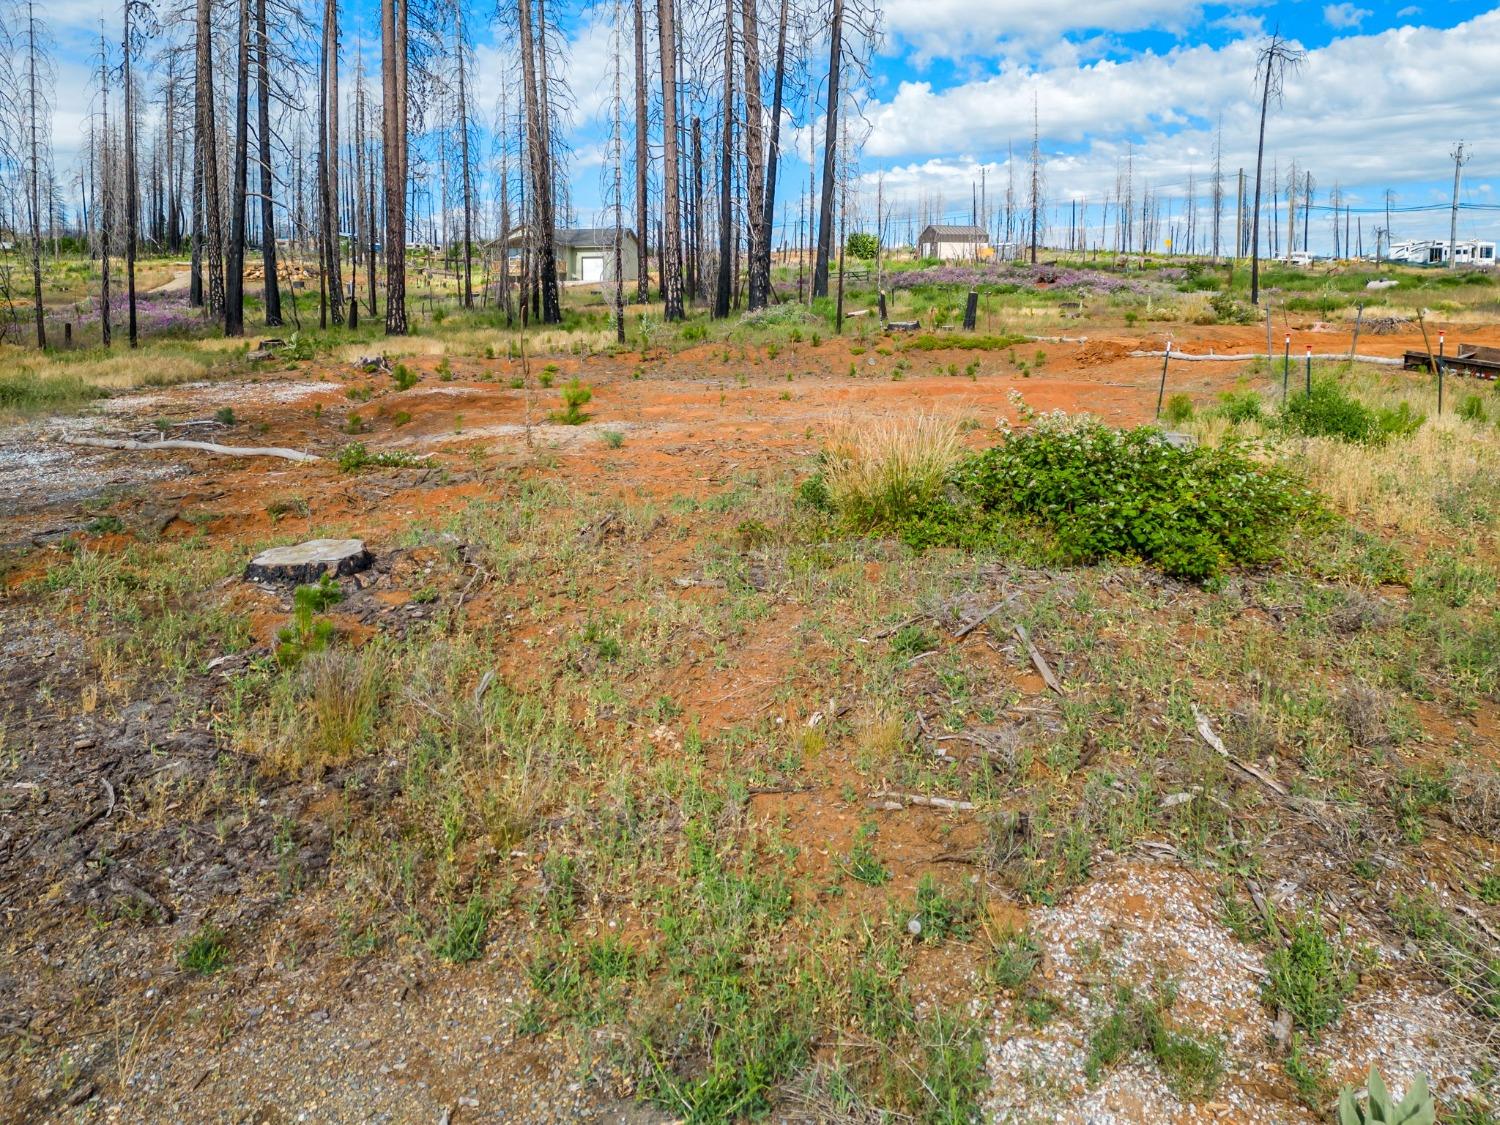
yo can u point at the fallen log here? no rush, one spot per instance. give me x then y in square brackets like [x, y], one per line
[201, 446]
[1245, 357]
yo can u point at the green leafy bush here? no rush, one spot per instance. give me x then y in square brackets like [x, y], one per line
[1229, 311]
[862, 245]
[1471, 409]
[405, 377]
[1105, 493]
[1239, 407]
[1329, 411]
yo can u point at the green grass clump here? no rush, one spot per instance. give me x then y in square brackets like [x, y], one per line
[1311, 976]
[462, 936]
[1104, 493]
[1193, 1065]
[1179, 409]
[1330, 411]
[205, 953]
[928, 342]
[45, 394]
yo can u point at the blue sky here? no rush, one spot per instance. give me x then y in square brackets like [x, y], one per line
[1385, 92]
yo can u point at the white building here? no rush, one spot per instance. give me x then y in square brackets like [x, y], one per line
[1434, 252]
[953, 243]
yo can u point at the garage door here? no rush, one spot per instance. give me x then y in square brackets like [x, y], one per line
[591, 267]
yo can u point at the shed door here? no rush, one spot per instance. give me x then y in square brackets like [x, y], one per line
[591, 267]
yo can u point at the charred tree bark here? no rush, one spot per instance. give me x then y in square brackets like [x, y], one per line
[328, 161]
[234, 289]
[393, 129]
[271, 288]
[461, 47]
[642, 158]
[671, 240]
[758, 257]
[206, 155]
[830, 148]
[768, 212]
[723, 289]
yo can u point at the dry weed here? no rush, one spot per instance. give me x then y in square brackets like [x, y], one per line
[880, 471]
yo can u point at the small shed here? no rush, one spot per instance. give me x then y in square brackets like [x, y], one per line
[953, 243]
[588, 253]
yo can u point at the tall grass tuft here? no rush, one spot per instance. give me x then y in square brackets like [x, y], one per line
[883, 471]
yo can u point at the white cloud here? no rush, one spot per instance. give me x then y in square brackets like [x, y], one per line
[1344, 16]
[956, 28]
[1408, 11]
[1368, 109]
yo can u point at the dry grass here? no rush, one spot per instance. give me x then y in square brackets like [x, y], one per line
[881, 470]
[321, 715]
[32, 383]
[1441, 482]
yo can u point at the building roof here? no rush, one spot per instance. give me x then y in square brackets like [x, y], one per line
[955, 234]
[578, 237]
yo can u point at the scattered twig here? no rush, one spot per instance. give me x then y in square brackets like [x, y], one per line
[1219, 748]
[1038, 661]
[109, 791]
[893, 801]
[983, 617]
[202, 446]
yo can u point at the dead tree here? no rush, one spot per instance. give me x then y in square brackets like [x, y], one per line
[234, 289]
[773, 157]
[1275, 58]
[393, 73]
[542, 231]
[31, 142]
[461, 50]
[105, 199]
[670, 253]
[642, 158]
[271, 287]
[758, 226]
[207, 215]
[725, 279]
[328, 163]
[830, 145]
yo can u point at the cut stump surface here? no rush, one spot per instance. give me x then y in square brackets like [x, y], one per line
[308, 562]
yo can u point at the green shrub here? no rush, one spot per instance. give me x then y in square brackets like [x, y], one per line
[1238, 407]
[308, 630]
[1179, 409]
[612, 439]
[862, 245]
[1229, 311]
[575, 396]
[1104, 493]
[1329, 411]
[405, 377]
[1471, 409]
[224, 415]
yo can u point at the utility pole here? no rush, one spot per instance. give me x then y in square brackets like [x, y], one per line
[1239, 214]
[1459, 160]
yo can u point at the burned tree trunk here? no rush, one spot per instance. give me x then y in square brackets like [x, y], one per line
[758, 256]
[830, 146]
[725, 281]
[234, 290]
[393, 129]
[271, 286]
[642, 158]
[206, 155]
[671, 240]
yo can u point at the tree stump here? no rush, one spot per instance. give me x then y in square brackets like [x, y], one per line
[308, 562]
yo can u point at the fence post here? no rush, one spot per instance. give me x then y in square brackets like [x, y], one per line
[1161, 391]
[1442, 342]
[881, 300]
[1309, 369]
[1286, 366]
